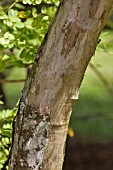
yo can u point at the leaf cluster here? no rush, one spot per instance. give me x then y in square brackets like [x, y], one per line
[6, 118]
[22, 30]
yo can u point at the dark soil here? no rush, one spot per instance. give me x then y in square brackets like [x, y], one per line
[81, 156]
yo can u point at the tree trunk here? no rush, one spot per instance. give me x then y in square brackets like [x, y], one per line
[53, 85]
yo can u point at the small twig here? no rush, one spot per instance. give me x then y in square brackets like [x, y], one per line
[102, 78]
[12, 81]
[13, 4]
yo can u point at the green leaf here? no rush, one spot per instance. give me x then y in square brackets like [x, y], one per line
[34, 12]
[19, 6]
[28, 54]
[14, 19]
[8, 23]
[50, 11]
[2, 66]
[19, 63]
[1, 102]
[28, 13]
[38, 1]
[6, 133]
[32, 2]
[19, 25]
[28, 23]
[12, 12]
[4, 16]
[37, 24]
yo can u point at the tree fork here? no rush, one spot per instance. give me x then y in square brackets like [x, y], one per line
[53, 85]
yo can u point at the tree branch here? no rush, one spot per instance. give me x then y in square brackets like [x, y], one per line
[102, 78]
[12, 81]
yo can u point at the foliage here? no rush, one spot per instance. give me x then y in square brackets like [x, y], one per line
[107, 41]
[22, 31]
[6, 118]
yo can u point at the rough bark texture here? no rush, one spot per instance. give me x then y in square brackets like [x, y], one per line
[53, 86]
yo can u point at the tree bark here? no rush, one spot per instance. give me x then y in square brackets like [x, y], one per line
[53, 85]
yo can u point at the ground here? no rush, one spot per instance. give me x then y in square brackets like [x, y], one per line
[80, 156]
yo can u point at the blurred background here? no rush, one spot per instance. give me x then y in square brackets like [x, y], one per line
[90, 134]
[91, 148]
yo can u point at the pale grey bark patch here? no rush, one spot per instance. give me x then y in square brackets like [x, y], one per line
[34, 156]
[36, 144]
